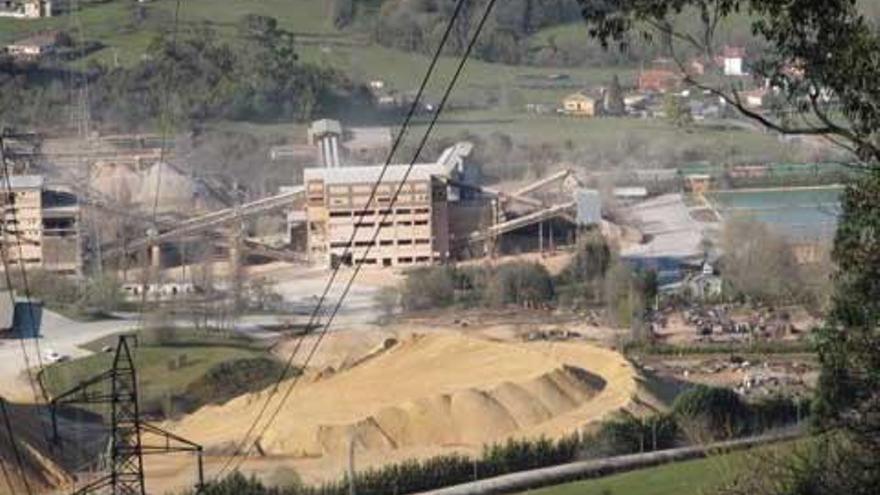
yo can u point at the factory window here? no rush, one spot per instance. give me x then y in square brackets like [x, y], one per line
[363, 243]
[423, 259]
[423, 241]
[365, 213]
[385, 199]
[423, 210]
[387, 242]
[369, 261]
[404, 211]
[340, 244]
[421, 222]
[386, 224]
[340, 214]
[365, 224]
[404, 242]
[405, 261]
[405, 224]
[386, 262]
[384, 212]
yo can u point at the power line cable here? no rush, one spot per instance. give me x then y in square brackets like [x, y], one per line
[6, 477]
[393, 201]
[10, 433]
[7, 184]
[163, 123]
[317, 309]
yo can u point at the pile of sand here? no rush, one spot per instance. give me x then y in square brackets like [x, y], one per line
[177, 191]
[441, 390]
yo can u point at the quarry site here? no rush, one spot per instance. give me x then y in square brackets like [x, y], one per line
[246, 248]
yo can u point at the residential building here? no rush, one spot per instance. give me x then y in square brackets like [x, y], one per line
[40, 226]
[26, 9]
[658, 80]
[732, 60]
[754, 99]
[342, 226]
[581, 105]
[34, 47]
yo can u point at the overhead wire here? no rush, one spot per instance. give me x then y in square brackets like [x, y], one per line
[6, 476]
[163, 150]
[10, 433]
[441, 106]
[414, 106]
[394, 148]
[7, 185]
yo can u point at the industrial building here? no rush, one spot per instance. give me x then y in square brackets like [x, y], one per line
[40, 226]
[439, 214]
[344, 225]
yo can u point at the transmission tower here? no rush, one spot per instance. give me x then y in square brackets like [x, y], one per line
[118, 388]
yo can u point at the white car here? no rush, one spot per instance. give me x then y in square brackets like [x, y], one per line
[53, 357]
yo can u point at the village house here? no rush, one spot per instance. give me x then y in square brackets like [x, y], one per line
[754, 99]
[27, 9]
[581, 105]
[658, 80]
[732, 60]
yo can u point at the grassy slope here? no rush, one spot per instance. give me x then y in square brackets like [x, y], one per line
[686, 478]
[156, 379]
[113, 24]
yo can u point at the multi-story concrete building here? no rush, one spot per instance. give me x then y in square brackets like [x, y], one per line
[342, 228]
[39, 226]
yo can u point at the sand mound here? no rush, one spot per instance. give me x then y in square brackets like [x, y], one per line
[432, 391]
[177, 191]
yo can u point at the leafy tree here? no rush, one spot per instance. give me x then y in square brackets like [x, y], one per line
[676, 110]
[759, 263]
[521, 284]
[708, 413]
[823, 60]
[427, 288]
[586, 271]
[625, 297]
[614, 104]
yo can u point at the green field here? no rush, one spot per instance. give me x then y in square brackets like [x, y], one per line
[697, 477]
[165, 368]
[504, 90]
[127, 36]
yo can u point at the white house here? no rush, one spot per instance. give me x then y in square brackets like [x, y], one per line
[732, 60]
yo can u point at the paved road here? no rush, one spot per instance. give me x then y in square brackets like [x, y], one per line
[59, 334]
[300, 291]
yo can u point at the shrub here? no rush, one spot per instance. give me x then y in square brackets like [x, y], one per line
[521, 284]
[627, 434]
[707, 413]
[428, 288]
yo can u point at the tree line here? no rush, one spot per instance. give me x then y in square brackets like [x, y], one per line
[185, 80]
[596, 277]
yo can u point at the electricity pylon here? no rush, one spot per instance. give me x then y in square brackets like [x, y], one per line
[127, 450]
